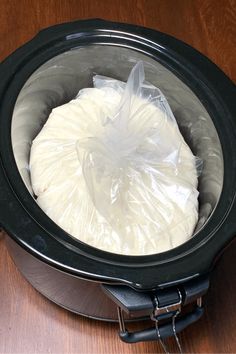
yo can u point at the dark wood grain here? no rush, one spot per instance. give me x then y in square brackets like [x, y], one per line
[29, 323]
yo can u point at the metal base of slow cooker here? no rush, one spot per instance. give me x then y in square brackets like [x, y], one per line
[79, 296]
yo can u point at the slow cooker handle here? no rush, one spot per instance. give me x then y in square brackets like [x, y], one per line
[162, 304]
[162, 331]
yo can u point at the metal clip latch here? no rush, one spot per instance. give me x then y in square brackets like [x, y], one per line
[172, 308]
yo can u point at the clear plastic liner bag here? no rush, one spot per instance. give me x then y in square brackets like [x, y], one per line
[111, 168]
[139, 172]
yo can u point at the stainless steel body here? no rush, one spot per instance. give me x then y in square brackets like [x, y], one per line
[80, 296]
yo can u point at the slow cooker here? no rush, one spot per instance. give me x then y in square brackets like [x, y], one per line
[49, 71]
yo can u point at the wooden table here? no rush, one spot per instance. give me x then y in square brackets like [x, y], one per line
[29, 323]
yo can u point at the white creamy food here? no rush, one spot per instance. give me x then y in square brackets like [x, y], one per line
[161, 205]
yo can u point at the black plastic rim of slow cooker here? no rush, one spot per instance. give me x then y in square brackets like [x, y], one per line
[142, 272]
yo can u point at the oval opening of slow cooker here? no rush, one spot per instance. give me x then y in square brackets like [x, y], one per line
[58, 81]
